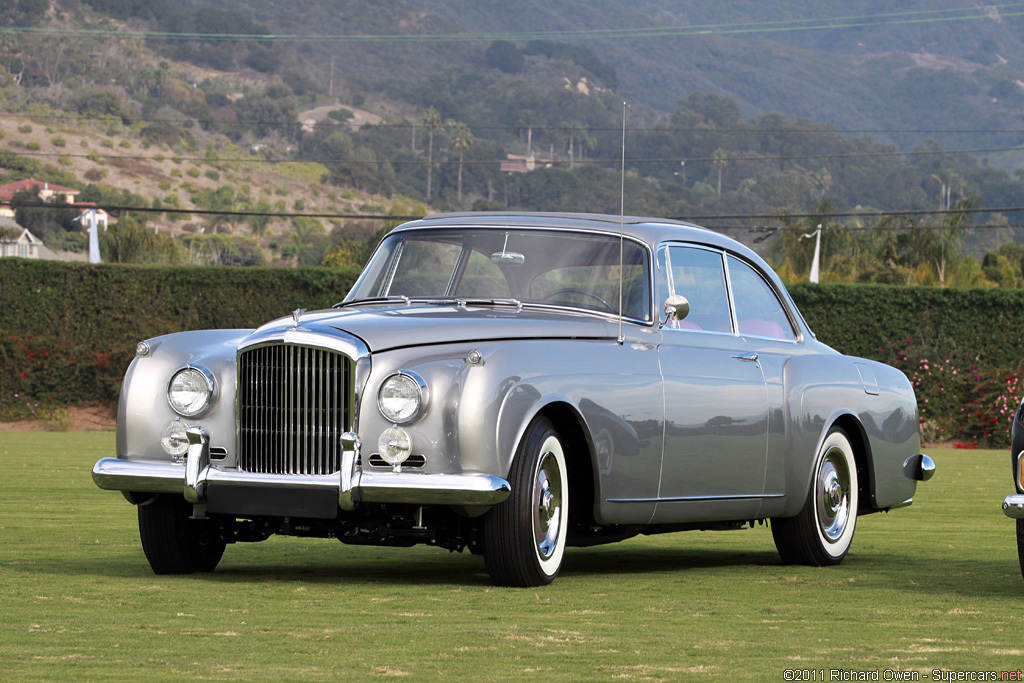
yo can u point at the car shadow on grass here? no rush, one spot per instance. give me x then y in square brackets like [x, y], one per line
[357, 566]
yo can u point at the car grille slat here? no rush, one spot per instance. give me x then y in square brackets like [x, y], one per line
[294, 403]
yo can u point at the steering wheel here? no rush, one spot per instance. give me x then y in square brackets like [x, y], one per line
[581, 292]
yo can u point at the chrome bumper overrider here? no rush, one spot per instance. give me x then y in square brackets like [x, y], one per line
[1013, 506]
[352, 484]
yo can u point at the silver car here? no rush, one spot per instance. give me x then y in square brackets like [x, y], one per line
[515, 384]
[1013, 504]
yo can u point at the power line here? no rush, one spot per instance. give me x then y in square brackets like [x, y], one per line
[992, 12]
[758, 216]
[826, 129]
[854, 214]
[560, 161]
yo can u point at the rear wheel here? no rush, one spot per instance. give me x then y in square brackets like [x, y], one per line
[174, 543]
[823, 530]
[524, 537]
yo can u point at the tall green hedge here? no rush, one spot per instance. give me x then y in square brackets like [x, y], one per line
[68, 330]
[979, 326]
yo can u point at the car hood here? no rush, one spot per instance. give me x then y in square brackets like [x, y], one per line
[381, 329]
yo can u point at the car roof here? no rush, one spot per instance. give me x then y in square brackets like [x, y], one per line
[648, 229]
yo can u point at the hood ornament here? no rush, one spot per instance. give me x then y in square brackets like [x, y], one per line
[296, 314]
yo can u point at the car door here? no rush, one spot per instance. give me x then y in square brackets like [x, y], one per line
[770, 331]
[716, 401]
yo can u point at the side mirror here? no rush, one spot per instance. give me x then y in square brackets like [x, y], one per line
[677, 307]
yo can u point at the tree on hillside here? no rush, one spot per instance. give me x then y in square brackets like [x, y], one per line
[42, 221]
[719, 164]
[505, 56]
[528, 120]
[431, 121]
[462, 139]
[577, 134]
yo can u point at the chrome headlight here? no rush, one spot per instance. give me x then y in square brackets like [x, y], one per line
[191, 391]
[402, 397]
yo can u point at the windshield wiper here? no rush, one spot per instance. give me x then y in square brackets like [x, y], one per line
[374, 300]
[432, 301]
[471, 301]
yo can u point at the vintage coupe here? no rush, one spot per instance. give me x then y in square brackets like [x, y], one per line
[1013, 504]
[515, 384]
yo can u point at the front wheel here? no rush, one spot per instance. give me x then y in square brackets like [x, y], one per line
[1020, 544]
[823, 530]
[524, 537]
[174, 543]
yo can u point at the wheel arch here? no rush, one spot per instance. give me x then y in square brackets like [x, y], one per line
[579, 458]
[861, 454]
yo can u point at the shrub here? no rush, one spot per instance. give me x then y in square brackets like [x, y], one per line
[59, 142]
[78, 360]
[25, 128]
[33, 146]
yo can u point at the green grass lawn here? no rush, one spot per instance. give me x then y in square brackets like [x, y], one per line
[933, 586]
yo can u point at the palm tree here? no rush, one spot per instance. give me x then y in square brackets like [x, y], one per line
[577, 133]
[528, 121]
[431, 121]
[719, 164]
[462, 139]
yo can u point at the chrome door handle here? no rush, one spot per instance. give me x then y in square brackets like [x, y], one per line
[749, 357]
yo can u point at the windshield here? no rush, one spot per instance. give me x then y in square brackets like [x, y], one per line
[546, 267]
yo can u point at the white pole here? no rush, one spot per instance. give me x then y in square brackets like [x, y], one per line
[94, 238]
[817, 255]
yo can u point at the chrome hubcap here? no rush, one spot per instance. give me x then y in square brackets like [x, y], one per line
[833, 495]
[547, 515]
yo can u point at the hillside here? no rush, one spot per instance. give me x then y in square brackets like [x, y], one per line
[923, 67]
[776, 115]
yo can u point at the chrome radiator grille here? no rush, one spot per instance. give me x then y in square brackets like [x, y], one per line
[294, 403]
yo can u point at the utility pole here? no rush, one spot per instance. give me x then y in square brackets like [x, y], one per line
[330, 90]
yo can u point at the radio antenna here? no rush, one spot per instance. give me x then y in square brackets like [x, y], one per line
[622, 214]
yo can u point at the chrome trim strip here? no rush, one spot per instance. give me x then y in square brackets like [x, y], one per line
[313, 335]
[1013, 506]
[694, 499]
[378, 487]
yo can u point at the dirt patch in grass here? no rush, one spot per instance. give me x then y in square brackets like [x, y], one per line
[96, 418]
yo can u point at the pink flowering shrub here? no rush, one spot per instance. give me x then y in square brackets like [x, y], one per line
[956, 400]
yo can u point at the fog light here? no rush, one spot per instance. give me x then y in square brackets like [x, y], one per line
[174, 440]
[395, 446]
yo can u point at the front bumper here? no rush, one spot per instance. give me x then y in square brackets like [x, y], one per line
[196, 477]
[1013, 506]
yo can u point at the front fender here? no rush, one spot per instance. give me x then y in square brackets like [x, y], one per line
[143, 410]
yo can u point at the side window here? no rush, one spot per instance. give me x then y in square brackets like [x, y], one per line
[699, 275]
[758, 310]
[482, 278]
